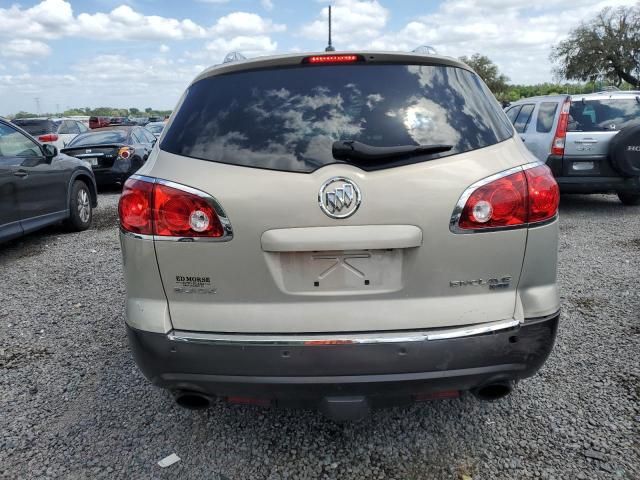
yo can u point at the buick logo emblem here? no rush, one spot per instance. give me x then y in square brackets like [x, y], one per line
[339, 197]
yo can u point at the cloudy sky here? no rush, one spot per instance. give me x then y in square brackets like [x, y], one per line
[142, 53]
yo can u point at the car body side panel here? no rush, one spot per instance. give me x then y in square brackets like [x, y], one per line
[248, 296]
[146, 305]
[538, 289]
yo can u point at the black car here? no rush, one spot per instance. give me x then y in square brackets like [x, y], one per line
[114, 153]
[39, 187]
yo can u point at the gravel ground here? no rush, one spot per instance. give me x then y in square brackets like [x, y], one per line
[73, 404]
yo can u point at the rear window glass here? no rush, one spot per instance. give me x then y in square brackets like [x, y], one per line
[37, 127]
[546, 114]
[99, 138]
[606, 114]
[288, 118]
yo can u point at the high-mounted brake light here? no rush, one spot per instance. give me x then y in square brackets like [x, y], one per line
[515, 198]
[559, 139]
[346, 58]
[165, 209]
[50, 137]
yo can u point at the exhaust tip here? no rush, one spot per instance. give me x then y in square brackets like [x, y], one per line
[493, 391]
[192, 401]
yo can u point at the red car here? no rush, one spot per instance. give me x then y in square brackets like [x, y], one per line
[99, 122]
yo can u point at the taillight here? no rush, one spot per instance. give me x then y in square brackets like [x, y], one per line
[150, 207]
[134, 208]
[177, 213]
[336, 58]
[559, 139]
[513, 199]
[50, 137]
[125, 152]
[544, 194]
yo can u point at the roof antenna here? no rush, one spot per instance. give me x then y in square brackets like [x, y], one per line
[330, 47]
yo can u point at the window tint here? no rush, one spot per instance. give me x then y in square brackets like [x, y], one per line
[288, 118]
[99, 138]
[546, 115]
[605, 114]
[15, 144]
[522, 120]
[36, 127]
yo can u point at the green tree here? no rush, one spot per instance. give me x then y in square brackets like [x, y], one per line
[488, 71]
[607, 47]
[134, 111]
[22, 114]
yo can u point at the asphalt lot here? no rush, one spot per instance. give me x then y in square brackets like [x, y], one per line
[73, 404]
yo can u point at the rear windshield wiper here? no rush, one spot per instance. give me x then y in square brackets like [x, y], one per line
[353, 150]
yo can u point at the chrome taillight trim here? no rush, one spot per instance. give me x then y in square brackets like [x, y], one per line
[224, 219]
[341, 339]
[462, 201]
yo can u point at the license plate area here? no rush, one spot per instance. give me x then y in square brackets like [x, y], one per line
[92, 161]
[338, 272]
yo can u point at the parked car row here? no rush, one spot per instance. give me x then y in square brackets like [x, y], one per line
[103, 121]
[40, 186]
[50, 169]
[591, 142]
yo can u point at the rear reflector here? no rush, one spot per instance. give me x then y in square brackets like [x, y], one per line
[522, 198]
[50, 137]
[328, 342]
[347, 58]
[249, 401]
[423, 397]
[149, 208]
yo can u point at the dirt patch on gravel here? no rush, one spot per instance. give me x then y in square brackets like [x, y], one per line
[15, 356]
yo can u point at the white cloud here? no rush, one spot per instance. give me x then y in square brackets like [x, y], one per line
[354, 23]
[85, 85]
[247, 45]
[243, 23]
[131, 25]
[24, 48]
[516, 34]
[163, 48]
[51, 19]
[267, 4]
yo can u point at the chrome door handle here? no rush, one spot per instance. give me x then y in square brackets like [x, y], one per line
[21, 173]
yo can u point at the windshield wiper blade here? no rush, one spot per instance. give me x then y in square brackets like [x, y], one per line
[353, 150]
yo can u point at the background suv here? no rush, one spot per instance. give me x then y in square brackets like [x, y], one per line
[591, 142]
[56, 131]
[341, 231]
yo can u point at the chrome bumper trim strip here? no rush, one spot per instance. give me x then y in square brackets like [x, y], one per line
[341, 339]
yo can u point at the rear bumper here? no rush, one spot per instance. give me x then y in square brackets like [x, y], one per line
[603, 179]
[389, 372]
